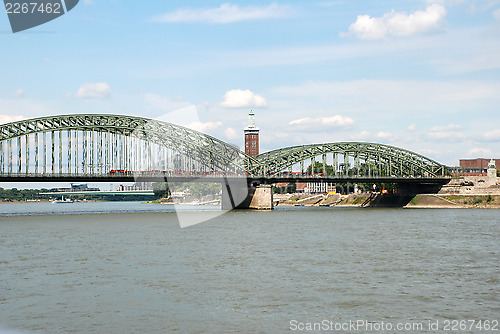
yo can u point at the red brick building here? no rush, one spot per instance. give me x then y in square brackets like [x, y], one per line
[479, 163]
[476, 167]
[251, 136]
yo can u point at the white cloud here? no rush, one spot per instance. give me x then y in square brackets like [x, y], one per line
[450, 127]
[374, 137]
[412, 127]
[204, 126]
[385, 135]
[321, 124]
[13, 108]
[186, 115]
[180, 112]
[19, 93]
[493, 135]
[467, 50]
[496, 14]
[398, 24]
[450, 3]
[367, 27]
[163, 103]
[475, 91]
[428, 152]
[231, 133]
[225, 13]
[281, 135]
[480, 152]
[461, 50]
[335, 121]
[364, 135]
[450, 133]
[393, 96]
[10, 118]
[98, 90]
[238, 98]
[301, 121]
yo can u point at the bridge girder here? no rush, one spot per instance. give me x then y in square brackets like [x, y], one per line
[202, 147]
[392, 160]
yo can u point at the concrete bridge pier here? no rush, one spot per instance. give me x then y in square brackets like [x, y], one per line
[258, 197]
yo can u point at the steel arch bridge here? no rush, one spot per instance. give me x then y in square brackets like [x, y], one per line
[96, 144]
[106, 147]
[350, 159]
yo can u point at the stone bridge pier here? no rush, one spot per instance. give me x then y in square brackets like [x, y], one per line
[246, 196]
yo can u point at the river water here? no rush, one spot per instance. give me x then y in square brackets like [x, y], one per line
[130, 268]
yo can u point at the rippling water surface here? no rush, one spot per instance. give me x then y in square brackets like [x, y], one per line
[129, 267]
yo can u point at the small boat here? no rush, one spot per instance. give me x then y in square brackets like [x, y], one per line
[62, 200]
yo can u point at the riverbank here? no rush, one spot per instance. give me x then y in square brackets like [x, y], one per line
[207, 200]
[486, 201]
[446, 201]
[467, 201]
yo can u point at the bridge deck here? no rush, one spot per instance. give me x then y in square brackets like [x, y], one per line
[216, 179]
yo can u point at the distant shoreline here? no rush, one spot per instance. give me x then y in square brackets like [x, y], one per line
[366, 200]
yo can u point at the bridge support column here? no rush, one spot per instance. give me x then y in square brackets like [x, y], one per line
[251, 197]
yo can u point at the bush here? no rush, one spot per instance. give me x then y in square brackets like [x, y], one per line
[414, 201]
[478, 201]
[357, 200]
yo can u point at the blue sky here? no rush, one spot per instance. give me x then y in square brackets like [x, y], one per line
[421, 75]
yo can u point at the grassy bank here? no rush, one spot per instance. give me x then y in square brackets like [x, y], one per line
[457, 201]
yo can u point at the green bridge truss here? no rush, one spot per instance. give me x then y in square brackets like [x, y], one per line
[353, 158]
[218, 154]
[349, 158]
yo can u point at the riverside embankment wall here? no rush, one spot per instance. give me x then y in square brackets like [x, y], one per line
[396, 200]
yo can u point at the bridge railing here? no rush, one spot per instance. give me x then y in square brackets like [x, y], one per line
[299, 175]
[118, 175]
[212, 174]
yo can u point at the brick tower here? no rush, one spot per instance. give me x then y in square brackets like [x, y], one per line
[251, 136]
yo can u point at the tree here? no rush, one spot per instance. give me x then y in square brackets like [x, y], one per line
[15, 194]
[160, 189]
[318, 168]
[204, 188]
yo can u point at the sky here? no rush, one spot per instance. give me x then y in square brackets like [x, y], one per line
[420, 75]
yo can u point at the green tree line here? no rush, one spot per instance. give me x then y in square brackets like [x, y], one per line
[14, 194]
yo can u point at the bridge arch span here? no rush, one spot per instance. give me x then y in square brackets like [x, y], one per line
[350, 159]
[20, 137]
[95, 143]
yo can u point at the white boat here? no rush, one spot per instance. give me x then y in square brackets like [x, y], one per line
[62, 200]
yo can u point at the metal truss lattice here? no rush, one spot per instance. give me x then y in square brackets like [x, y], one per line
[363, 159]
[349, 158]
[209, 150]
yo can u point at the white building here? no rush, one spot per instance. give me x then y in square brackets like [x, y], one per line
[320, 187]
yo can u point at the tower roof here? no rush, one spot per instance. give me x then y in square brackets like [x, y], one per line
[251, 121]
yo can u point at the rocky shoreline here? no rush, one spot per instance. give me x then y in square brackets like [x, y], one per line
[445, 201]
